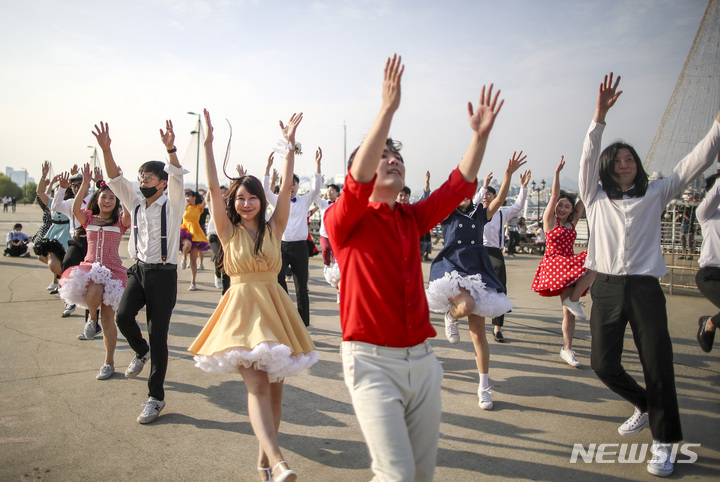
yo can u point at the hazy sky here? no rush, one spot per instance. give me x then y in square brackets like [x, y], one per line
[66, 65]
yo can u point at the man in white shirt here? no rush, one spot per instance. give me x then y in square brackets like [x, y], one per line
[153, 246]
[624, 212]
[493, 236]
[708, 277]
[294, 240]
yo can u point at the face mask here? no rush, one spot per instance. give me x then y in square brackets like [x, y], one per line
[148, 192]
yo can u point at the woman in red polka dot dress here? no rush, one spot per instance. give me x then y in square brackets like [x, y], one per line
[561, 271]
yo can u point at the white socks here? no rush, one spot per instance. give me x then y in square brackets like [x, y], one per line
[484, 382]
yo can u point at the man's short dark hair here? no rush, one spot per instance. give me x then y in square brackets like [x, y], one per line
[406, 190]
[17, 226]
[391, 144]
[155, 167]
[492, 190]
[334, 186]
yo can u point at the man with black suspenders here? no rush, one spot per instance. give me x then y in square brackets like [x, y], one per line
[493, 237]
[153, 246]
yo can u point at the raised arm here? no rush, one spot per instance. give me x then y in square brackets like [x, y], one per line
[279, 218]
[481, 122]
[223, 226]
[549, 221]
[168, 139]
[480, 194]
[607, 97]
[370, 151]
[516, 162]
[43, 184]
[80, 196]
[126, 218]
[102, 135]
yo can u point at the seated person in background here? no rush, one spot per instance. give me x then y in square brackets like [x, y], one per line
[17, 243]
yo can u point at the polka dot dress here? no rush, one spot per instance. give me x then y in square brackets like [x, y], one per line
[560, 267]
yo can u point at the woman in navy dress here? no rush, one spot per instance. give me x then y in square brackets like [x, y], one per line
[462, 279]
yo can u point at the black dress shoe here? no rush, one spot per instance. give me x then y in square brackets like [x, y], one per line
[499, 337]
[704, 336]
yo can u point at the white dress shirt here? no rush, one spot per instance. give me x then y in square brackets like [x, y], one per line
[493, 236]
[708, 213]
[65, 206]
[297, 227]
[149, 217]
[625, 233]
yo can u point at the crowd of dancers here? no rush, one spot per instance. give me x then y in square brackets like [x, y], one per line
[373, 241]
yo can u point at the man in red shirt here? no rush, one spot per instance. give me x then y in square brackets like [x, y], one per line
[390, 369]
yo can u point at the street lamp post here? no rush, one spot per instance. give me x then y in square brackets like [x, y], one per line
[197, 164]
[538, 190]
[94, 163]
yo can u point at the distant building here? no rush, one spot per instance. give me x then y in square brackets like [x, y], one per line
[19, 177]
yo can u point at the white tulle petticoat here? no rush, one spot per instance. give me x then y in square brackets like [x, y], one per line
[332, 274]
[488, 302]
[274, 358]
[74, 288]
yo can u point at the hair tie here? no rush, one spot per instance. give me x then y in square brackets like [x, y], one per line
[100, 184]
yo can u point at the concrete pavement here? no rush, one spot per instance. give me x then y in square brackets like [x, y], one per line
[57, 422]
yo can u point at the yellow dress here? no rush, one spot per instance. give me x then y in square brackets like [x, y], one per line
[256, 323]
[190, 228]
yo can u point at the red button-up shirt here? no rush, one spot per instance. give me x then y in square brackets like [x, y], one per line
[382, 293]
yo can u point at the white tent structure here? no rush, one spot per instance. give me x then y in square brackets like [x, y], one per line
[694, 102]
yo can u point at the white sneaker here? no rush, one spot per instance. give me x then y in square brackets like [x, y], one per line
[218, 283]
[68, 311]
[634, 424]
[485, 395]
[52, 286]
[90, 329]
[660, 464]
[451, 329]
[136, 365]
[106, 371]
[151, 411]
[192, 287]
[575, 308]
[183, 264]
[201, 267]
[569, 357]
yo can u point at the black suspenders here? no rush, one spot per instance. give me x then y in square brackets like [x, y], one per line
[163, 230]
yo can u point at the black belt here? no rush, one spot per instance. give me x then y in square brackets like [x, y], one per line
[162, 266]
[61, 222]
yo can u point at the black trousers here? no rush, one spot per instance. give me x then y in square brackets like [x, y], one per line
[708, 282]
[640, 301]
[295, 254]
[155, 287]
[16, 250]
[498, 263]
[513, 242]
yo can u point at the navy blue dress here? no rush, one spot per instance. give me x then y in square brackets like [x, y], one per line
[464, 251]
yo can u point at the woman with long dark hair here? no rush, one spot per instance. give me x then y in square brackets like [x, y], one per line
[97, 283]
[256, 329]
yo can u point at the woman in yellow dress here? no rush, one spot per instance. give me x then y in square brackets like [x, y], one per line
[192, 238]
[256, 329]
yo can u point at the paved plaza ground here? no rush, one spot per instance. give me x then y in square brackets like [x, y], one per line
[58, 423]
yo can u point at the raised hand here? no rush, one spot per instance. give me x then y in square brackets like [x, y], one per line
[608, 94]
[488, 178]
[482, 119]
[391, 83]
[274, 178]
[525, 178]
[87, 174]
[209, 136]
[64, 180]
[97, 175]
[288, 130]
[560, 165]
[168, 136]
[74, 170]
[516, 162]
[45, 169]
[102, 135]
[240, 170]
[318, 158]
